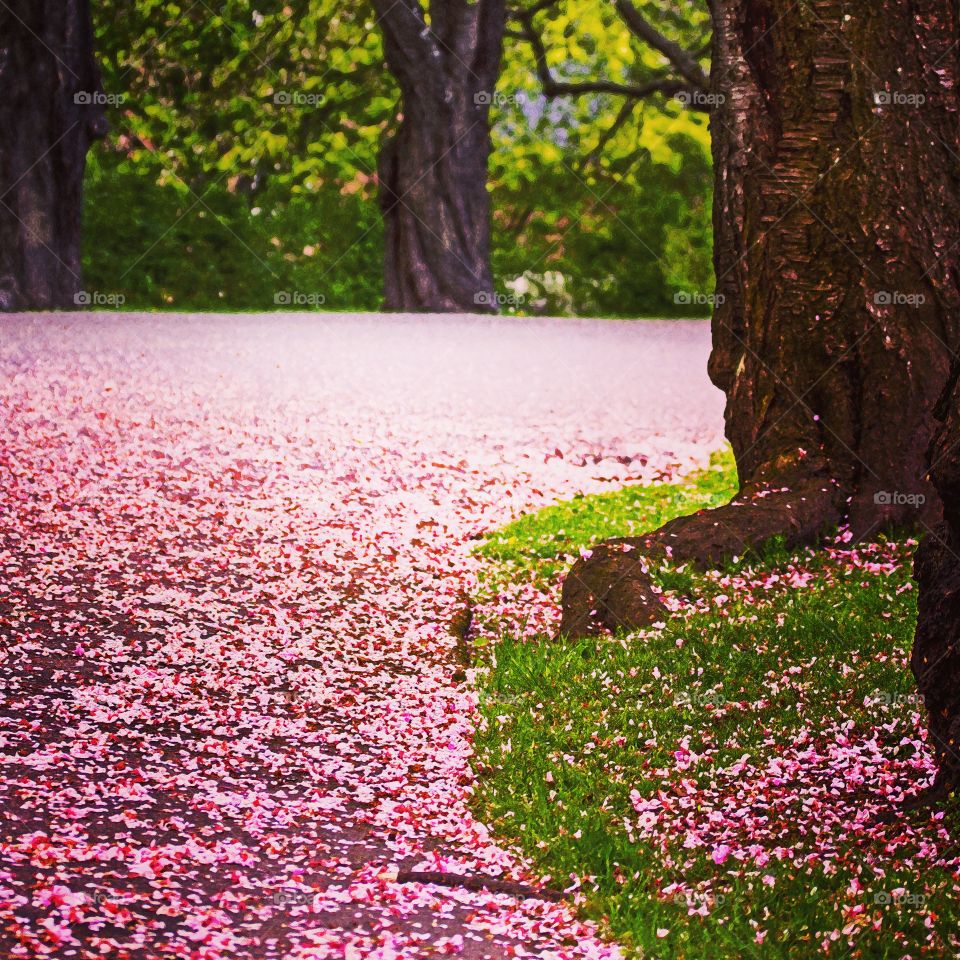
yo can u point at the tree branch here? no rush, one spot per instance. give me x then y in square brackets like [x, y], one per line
[682, 60]
[480, 883]
[535, 9]
[692, 79]
[552, 87]
[520, 221]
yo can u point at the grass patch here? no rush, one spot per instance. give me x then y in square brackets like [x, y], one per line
[541, 544]
[765, 723]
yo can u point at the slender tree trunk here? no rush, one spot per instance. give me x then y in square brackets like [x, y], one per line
[50, 110]
[837, 236]
[433, 171]
[936, 648]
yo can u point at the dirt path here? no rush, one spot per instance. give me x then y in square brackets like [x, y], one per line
[229, 551]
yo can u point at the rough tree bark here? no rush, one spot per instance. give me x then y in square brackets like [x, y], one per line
[936, 648]
[837, 221]
[433, 170]
[51, 109]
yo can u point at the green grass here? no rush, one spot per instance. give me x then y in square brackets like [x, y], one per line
[569, 730]
[541, 544]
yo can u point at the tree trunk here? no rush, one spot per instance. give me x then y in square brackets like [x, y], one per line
[433, 171]
[936, 648]
[50, 111]
[837, 223]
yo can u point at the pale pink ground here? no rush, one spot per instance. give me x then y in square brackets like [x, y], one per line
[230, 548]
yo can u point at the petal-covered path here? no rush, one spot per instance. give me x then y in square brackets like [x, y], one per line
[232, 717]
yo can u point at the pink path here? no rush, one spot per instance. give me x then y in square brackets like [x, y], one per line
[230, 548]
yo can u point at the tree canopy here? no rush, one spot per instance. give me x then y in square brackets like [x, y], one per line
[244, 149]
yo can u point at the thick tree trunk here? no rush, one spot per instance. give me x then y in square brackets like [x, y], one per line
[433, 171]
[837, 223]
[936, 648]
[51, 109]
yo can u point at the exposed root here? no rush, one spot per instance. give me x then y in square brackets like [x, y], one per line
[612, 588]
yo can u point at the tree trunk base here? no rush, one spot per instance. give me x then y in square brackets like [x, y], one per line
[935, 660]
[611, 588]
[936, 651]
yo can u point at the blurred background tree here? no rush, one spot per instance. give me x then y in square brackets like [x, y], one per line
[240, 171]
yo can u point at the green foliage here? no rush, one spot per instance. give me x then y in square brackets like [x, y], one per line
[616, 200]
[229, 110]
[242, 162]
[162, 249]
[292, 93]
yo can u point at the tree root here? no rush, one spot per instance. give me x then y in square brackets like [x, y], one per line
[611, 588]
